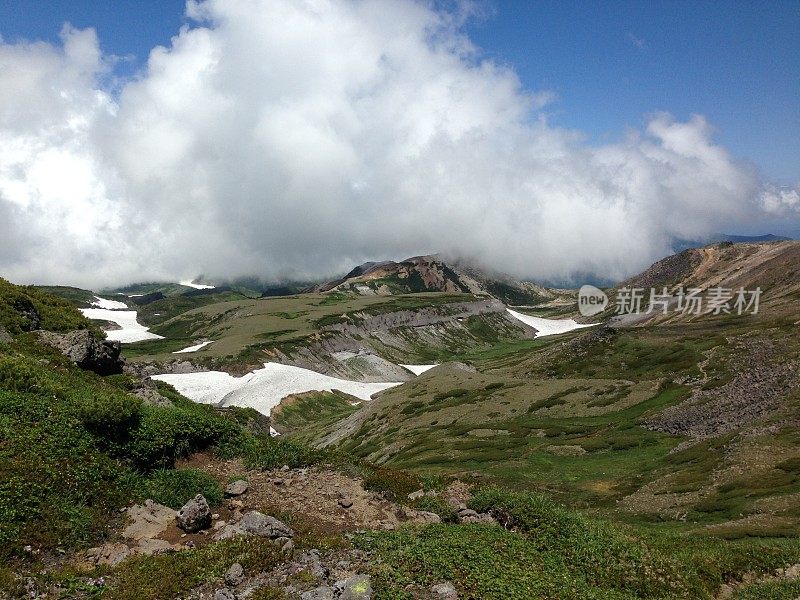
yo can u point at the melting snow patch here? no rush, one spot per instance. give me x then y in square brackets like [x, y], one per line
[265, 388]
[418, 369]
[193, 348]
[109, 304]
[546, 327]
[130, 329]
[197, 286]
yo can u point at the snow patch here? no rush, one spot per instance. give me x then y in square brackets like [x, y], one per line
[197, 286]
[545, 327]
[264, 388]
[418, 369]
[193, 348]
[130, 329]
[109, 304]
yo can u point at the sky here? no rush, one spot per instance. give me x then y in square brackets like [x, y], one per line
[293, 138]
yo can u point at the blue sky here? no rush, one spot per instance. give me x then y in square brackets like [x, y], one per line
[611, 63]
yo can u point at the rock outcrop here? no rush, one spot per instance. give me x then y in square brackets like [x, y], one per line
[85, 350]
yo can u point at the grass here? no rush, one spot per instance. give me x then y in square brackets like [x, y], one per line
[174, 487]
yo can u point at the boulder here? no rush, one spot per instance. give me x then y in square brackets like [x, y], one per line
[194, 515]
[109, 554]
[357, 587]
[234, 575]
[86, 351]
[256, 523]
[445, 591]
[321, 593]
[224, 594]
[153, 546]
[426, 517]
[237, 488]
[148, 520]
[416, 495]
[5, 337]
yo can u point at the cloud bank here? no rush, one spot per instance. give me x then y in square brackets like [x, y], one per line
[294, 138]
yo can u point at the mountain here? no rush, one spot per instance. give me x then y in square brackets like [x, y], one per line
[774, 267]
[432, 274]
[681, 244]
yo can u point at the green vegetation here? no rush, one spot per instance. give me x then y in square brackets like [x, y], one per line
[28, 308]
[173, 487]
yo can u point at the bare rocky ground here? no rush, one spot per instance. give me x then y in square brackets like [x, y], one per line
[276, 505]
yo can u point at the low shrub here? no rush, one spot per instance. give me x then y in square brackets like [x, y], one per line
[173, 487]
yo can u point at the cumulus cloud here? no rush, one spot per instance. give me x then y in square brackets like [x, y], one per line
[294, 138]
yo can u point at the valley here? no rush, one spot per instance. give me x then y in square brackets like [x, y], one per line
[676, 431]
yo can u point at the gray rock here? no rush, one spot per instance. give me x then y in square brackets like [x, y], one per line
[237, 488]
[234, 575]
[416, 495]
[445, 591]
[424, 516]
[483, 518]
[224, 594]
[256, 523]
[5, 337]
[109, 554]
[321, 593]
[312, 562]
[357, 587]
[153, 546]
[150, 395]
[147, 520]
[345, 502]
[194, 515]
[86, 351]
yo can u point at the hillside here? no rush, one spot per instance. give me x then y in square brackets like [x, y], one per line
[774, 267]
[94, 468]
[692, 422]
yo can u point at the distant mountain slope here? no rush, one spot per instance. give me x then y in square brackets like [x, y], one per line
[774, 267]
[432, 274]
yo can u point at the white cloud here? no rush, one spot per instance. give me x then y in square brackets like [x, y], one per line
[287, 136]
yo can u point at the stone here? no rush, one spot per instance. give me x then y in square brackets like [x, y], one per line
[345, 502]
[311, 561]
[483, 518]
[234, 575]
[5, 337]
[85, 350]
[109, 554]
[224, 594]
[445, 591]
[426, 517]
[256, 523]
[236, 488]
[357, 587]
[321, 593]
[416, 495]
[148, 520]
[194, 515]
[153, 546]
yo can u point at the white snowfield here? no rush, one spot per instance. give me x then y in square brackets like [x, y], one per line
[197, 286]
[545, 327]
[195, 348]
[109, 304]
[418, 369]
[131, 330]
[264, 388]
